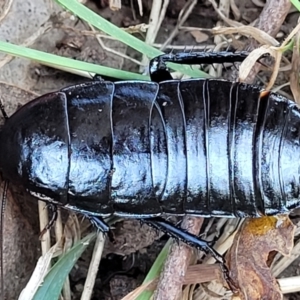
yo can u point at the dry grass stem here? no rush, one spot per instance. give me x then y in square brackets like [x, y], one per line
[93, 269]
[42, 267]
[215, 70]
[236, 12]
[247, 65]
[269, 21]
[115, 4]
[58, 227]
[6, 7]
[140, 4]
[44, 220]
[285, 261]
[289, 285]
[184, 14]
[110, 50]
[258, 3]
[223, 16]
[224, 242]
[259, 35]
[278, 89]
[157, 15]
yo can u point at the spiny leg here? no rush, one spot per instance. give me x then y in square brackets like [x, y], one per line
[53, 207]
[183, 235]
[97, 222]
[101, 225]
[191, 240]
[159, 72]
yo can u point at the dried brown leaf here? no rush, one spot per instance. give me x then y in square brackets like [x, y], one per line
[247, 258]
[247, 65]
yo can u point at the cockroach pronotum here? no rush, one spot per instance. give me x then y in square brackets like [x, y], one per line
[141, 149]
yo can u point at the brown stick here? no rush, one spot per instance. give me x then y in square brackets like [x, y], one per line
[272, 16]
[173, 276]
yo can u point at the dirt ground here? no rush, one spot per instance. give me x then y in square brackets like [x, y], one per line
[42, 25]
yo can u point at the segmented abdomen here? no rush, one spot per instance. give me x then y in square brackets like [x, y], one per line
[206, 147]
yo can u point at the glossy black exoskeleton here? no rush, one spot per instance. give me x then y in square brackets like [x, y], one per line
[140, 149]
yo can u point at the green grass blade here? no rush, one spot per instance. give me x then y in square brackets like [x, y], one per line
[296, 3]
[97, 21]
[155, 270]
[54, 280]
[63, 62]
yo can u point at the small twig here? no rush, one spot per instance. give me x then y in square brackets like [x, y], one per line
[172, 277]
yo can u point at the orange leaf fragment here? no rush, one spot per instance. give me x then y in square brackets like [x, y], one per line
[247, 258]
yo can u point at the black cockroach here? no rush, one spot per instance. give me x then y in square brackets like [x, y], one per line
[145, 148]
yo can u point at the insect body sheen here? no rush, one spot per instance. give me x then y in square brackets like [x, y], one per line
[133, 148]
